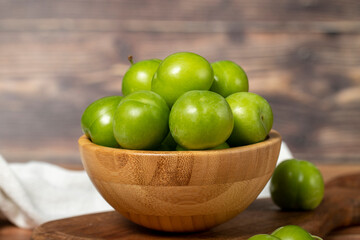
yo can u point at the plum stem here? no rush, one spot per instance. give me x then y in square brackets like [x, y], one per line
[131, 59]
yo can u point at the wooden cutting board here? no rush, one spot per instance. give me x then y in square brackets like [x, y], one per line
[340, 207]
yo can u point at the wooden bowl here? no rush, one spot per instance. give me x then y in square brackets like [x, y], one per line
[180, 191]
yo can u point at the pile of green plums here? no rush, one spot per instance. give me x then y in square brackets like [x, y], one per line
[180, 103]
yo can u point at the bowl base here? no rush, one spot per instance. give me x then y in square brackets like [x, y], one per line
[180, 223]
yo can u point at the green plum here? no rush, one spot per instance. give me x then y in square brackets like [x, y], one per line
[292, 232]
[179, 73]
[223, 145]
[229, 78]
[200, 120]
[297, 185]
[141, 121]
[168, 144]
[97, 121]
[139, 76]
[253, 118]
[180, 148]
[263, 237]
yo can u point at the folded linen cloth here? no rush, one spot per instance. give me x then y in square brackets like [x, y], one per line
[36, 192]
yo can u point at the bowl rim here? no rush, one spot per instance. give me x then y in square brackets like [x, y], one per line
[272, 138]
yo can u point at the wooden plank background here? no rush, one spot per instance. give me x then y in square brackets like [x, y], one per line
[57, 56]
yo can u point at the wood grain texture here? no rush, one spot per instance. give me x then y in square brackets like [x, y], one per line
[56, 57]
[340, 207]
[180, 191]
[10, 232]
[310, 10]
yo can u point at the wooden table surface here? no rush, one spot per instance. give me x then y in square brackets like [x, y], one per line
[10, 232]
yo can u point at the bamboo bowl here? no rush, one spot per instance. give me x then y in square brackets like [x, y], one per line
[180, 191]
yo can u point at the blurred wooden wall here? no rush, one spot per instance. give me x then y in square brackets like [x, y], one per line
[57, 56]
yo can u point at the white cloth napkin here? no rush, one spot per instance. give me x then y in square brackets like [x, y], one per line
[36, 192]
